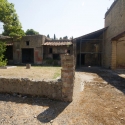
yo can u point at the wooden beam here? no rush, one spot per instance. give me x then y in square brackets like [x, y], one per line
[92, 39]
[80, 53]
[90, 53]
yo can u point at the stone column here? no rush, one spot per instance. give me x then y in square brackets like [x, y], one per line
[67, 76]
[113, 57]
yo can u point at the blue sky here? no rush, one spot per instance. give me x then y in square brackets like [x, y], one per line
[62, 17]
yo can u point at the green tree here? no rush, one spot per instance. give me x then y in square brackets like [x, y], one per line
[3, 61]
[65, 37]
[31, 32]
[8, 16]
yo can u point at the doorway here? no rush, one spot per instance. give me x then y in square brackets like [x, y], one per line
[28, 55]
[9, 53]
[82, 59]
[80, 62]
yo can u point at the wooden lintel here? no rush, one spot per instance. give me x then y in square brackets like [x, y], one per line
[92, 39]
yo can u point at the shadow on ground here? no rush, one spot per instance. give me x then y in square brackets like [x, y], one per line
[111, 77]
[54, 108]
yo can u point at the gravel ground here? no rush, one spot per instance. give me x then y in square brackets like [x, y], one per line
[102, 102]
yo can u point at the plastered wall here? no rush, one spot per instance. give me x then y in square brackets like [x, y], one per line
[115, 21]
[56, 50]
[120, 53]
[35, 42]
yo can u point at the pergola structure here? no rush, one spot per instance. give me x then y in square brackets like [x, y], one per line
[89, 49]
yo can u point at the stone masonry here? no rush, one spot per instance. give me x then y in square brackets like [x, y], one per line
[59, 89]
[46, 88]
[67, 76]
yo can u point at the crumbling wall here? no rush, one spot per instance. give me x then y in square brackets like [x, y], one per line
[35, 42]
[57, 50]
[61, 89]
[49, 58]
[90, 52]
[51, 89]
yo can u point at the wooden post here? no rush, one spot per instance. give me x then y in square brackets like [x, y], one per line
[80, 54]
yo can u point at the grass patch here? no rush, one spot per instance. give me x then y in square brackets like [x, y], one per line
[57, 74]
[36, 72]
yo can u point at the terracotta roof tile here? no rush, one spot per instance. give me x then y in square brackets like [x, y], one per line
[9, 44]
[58, 43]
[4, 37]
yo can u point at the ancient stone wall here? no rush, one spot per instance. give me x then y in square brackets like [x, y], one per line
[61, 89]
[118, 51]
[51, 89]
[56, 50]
[35, 43]
[67, 76]
[54, 57]
[90, 52]
[115, 21]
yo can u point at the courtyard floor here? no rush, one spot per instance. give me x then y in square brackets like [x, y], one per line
[102, 102]
[36, 72]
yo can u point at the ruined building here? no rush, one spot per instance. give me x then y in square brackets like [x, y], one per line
[36, 49]
[105, 47]
[114, 45]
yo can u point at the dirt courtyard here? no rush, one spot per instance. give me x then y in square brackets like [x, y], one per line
[36, 72]
[102, 102]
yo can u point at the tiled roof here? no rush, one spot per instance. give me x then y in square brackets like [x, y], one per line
[9, 44]
[92, 35]
[4, 37]
[58, 43]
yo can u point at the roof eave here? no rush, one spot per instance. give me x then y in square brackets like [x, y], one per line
[103, 29]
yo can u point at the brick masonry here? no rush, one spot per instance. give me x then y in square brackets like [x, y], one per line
[67, 76]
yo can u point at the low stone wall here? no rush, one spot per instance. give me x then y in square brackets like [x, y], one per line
[7, 67]
[51, 89]
[55, 89]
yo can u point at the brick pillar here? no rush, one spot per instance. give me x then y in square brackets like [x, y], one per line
[67, 76]
[113, 57]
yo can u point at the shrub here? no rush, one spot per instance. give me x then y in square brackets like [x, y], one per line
[3, 61]
[55, 62]
[49, 61]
